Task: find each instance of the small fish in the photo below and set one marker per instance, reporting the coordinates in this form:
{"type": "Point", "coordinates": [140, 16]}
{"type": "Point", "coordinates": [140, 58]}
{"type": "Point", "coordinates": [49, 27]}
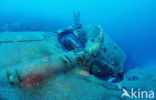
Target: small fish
{"type": "Point", "coordinates": [46, 59]}
{"type": "Point", "coordinates": [111, 79]}
{"type": "Point", "coordinates": [83, 73]}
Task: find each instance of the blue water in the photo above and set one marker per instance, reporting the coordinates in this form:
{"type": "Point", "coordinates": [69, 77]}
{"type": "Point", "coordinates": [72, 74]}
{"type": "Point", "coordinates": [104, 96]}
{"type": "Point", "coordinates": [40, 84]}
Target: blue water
{"type": "Point", "coordinates": [131, 23]}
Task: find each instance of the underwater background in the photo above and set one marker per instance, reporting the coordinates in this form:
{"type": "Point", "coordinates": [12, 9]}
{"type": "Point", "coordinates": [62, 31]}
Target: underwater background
{"type": "Point", "coordinates": [76, 49]}
{"type": "Point", "coordinates": [131, 23]}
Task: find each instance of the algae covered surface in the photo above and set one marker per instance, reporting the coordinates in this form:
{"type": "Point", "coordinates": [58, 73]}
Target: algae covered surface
{"type": "Point", "coordinates": [35, 66]}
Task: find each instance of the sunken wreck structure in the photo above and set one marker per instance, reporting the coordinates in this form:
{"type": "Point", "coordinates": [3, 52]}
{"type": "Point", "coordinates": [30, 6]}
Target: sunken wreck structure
{"type": "Point", "coordinates": [61, 65]}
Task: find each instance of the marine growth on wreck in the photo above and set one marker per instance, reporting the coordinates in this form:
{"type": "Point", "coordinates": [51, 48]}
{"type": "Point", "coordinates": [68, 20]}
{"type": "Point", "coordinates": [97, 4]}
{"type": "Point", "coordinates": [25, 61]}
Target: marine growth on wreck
{"type": "Point", "coordinates": [44, 64]}
{"type": "Point", "coordinates": [80, 62]}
